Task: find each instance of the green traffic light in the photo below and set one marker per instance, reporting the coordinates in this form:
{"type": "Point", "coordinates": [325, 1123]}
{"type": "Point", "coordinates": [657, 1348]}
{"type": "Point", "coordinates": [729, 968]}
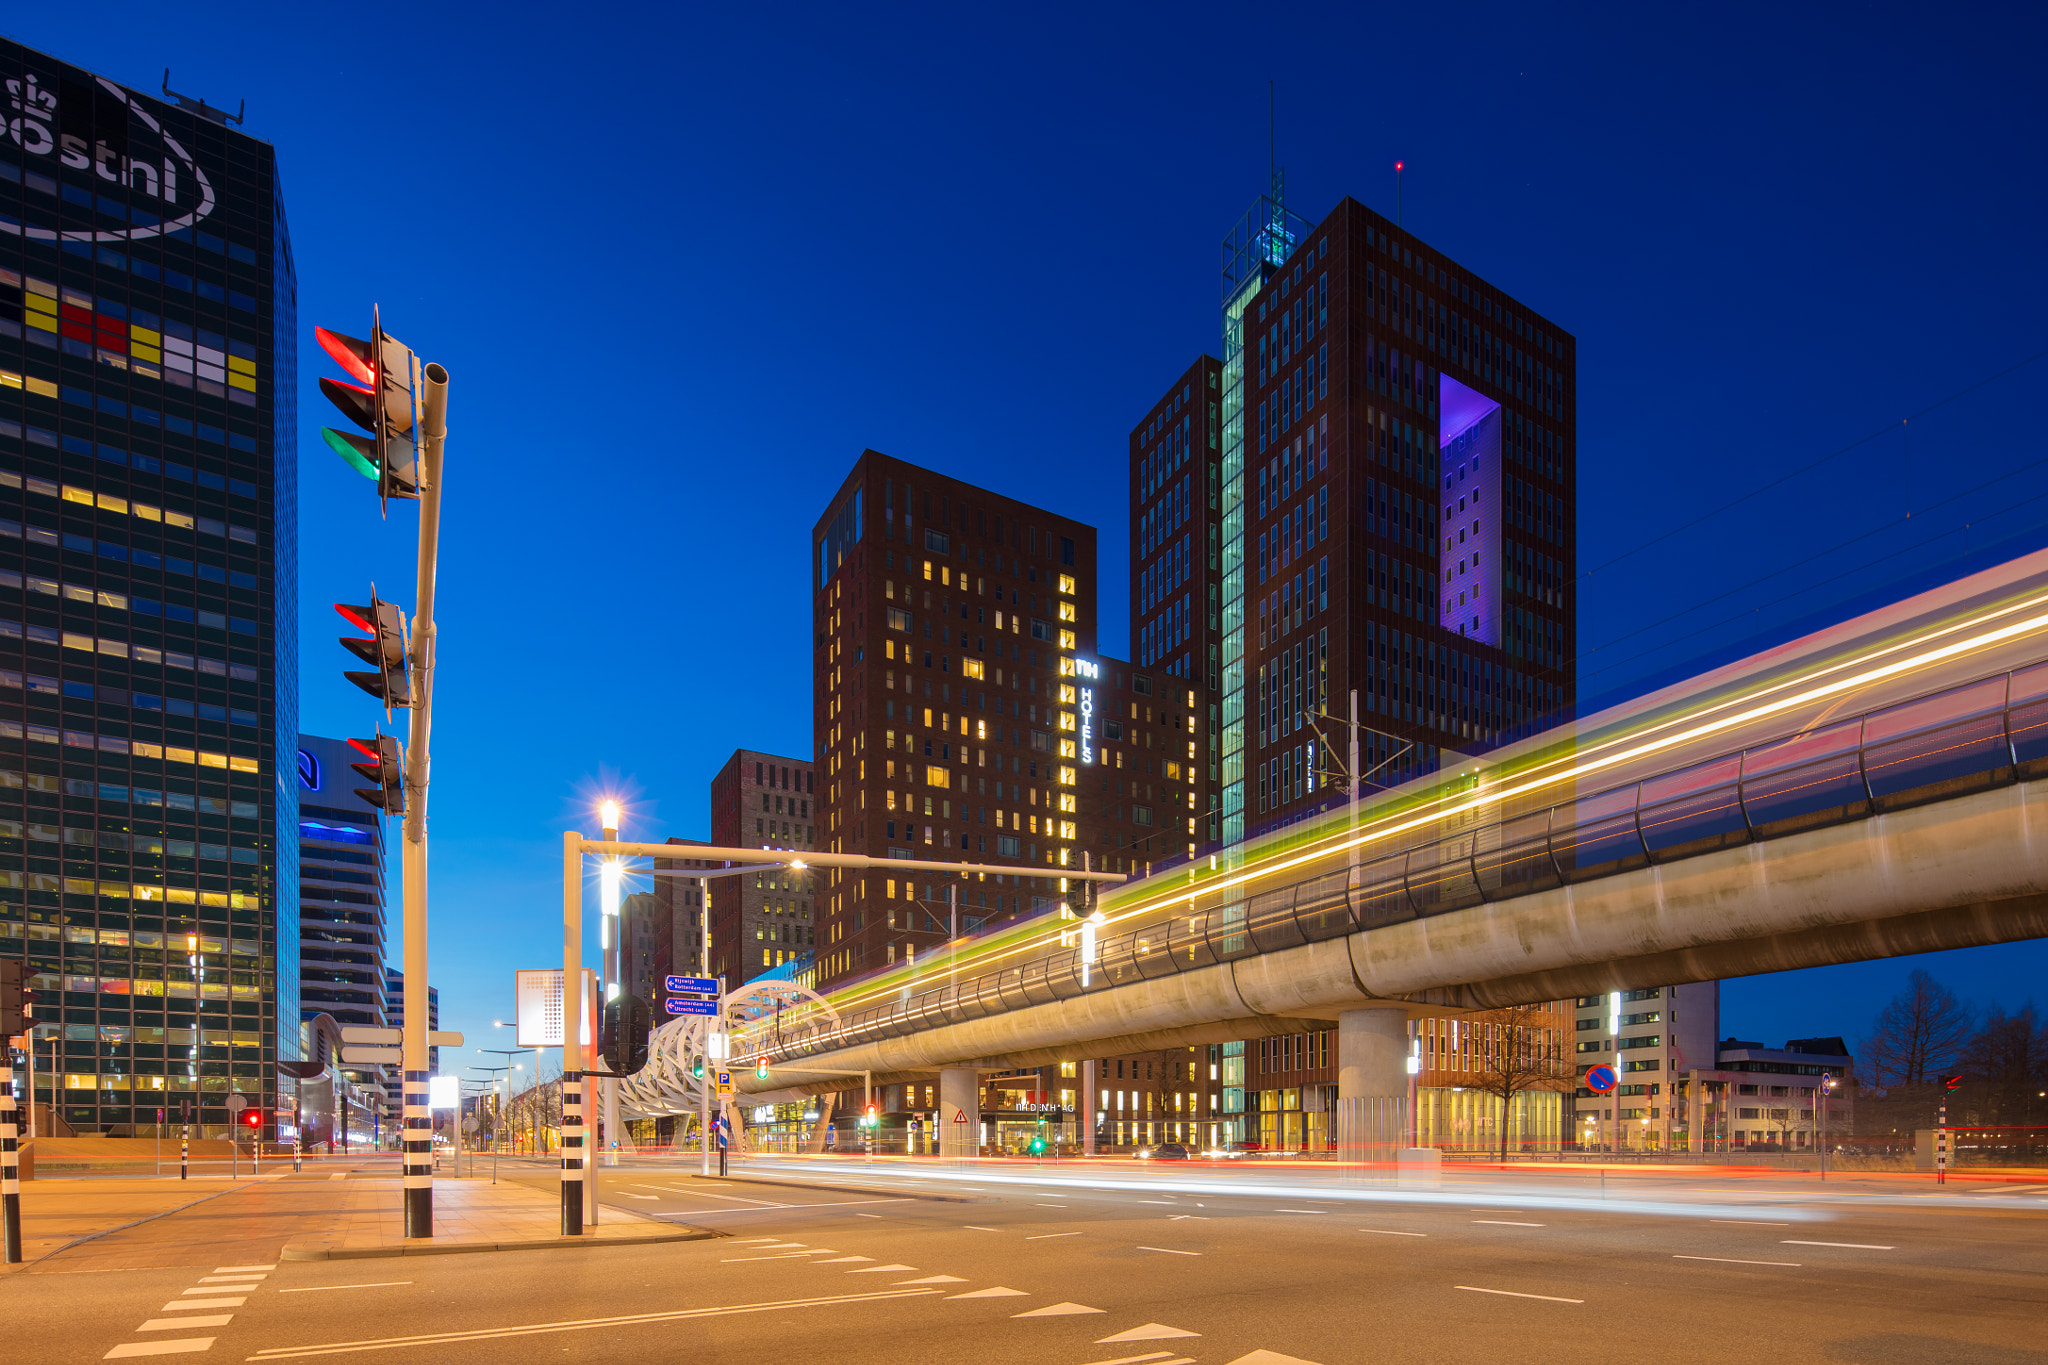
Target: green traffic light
{"type": "Point", "coordinates": [341, 445]}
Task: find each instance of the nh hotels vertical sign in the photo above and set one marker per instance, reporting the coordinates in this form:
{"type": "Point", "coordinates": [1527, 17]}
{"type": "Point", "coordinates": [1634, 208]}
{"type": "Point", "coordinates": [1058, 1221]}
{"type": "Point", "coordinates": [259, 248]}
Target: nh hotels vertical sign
{"type": "Point", "coordinates": [1083, 669]}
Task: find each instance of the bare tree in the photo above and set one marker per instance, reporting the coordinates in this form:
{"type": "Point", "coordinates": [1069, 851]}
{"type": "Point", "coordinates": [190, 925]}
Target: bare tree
{"type": "Point", "coordinates": [1520, 1050]}
{"type": "Point", "coordinates": [1921, 1033]}
{"type": "Point", "coordinates": [2010, 1053]}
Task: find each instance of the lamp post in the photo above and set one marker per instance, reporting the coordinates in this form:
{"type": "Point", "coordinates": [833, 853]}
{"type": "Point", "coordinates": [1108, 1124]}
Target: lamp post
{"type": "Point", "coordinates": [611, 871]}
{"type": "Point", "coordinates": [508, 1053]}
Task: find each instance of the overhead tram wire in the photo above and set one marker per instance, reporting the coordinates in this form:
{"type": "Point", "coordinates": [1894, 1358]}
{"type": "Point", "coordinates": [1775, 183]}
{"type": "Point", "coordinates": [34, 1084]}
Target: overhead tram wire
{"type": "Point", "coordinates": [1729, 620]}
{"type": "Point", "coordinates": [1816, 464]}
{"type": "Point", "coordinates": [1819, 555]}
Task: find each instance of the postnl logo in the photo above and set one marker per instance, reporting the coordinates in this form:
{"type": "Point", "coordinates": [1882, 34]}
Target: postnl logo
{"type": "Point", "coordinates": [152, 163]}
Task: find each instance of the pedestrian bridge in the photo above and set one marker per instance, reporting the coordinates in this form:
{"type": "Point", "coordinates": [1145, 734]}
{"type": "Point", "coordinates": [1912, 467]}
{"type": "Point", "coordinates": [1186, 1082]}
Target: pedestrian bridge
{"type": "Point", "coordinates": [1866, 791]}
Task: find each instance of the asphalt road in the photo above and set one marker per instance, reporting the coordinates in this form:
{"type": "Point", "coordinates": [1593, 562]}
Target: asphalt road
{"type": "Point", "coordinates": [1138, 1267]}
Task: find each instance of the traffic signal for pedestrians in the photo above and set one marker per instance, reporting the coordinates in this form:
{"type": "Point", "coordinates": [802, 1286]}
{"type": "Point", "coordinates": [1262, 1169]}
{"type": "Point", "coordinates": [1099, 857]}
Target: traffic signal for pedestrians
{"type": "Point", "coordinates": [386, 769]}
{"type": "Point", "coordinates": [623, 1044]}
{"type": "Point", "coordinates": [252, 1118]}
{"type": "Point", "coordinates": [380, 402]}
{"type": "Point", "coordinates": [1951, 1082]}
{"type": "Point", "coordinates": [15, 1005]}
{"type": "Point", "coordinates": [871, 1117]}
{"type": "Point", "coordinates": [384, 650]}
{"type": "Point", "coordinates": [761, 1067]}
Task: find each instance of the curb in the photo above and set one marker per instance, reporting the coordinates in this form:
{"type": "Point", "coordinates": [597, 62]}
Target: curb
{"type": "Point", "coordinates": [891, 1190]}
{"type": "Point", "coordinates": [464, 1248]}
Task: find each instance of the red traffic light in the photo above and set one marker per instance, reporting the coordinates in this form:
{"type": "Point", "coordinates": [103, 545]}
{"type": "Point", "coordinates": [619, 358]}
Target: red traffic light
{"type": "Point", "coordinates": [385, 650]}
{"type": "Point", "coordinates": [386, 769]}
{"type": "Point", "coordinates": [1951, 1082]}
{"type": "Point", "coordinates": [252, 1118]}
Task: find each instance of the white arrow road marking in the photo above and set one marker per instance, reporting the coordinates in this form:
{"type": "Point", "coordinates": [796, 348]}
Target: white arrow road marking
{"type": "Point", "coordinates": [1151, 1331]}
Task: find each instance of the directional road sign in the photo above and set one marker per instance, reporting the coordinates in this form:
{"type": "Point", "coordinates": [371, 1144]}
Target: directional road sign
{"type": "Point", "coordinates": [364, 1033]}
{"type": "Point", "coordinates": [707, 1008]}
{"type": "Point", "coordinates": [701, 985]}
{"type": "Point", "coordinates": [365, 1056]}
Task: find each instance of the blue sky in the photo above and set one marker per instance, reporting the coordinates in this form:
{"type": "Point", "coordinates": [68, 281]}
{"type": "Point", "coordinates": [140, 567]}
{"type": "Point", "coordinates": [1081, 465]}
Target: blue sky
{"type": "Point", "coordinates": [684, 263]}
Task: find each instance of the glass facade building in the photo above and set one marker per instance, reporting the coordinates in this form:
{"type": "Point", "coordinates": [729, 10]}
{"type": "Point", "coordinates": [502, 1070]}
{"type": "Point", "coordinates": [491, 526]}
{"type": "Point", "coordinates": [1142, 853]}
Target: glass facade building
{"type": "Point", "coordinates": [148, 688]}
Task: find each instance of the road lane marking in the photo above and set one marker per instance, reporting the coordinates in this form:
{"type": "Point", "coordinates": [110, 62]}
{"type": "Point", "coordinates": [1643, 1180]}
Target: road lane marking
{"type": "Point", "coordinates": [1043, 1235]}
{"type": "Point", "coordinates": [999, 1292]}
{"type": "Point", "coordinates": [843, 1260]}
{"type": "Point", "coordinates": [1133, 1360]}
{"type": "Point", "coordinates": [202, 1303]}
{"type": "Point", "coordinates": [1169, 1251]}
{"type": "Point", "coordinates": [576, 1324]}
{"type": "Point", "coordinates": [317, 1288]}
{"type": "Point", "coordinates": [1505, 1223]}
{"type": "Point", "coordinates": [1389, 1232]}
{"type": "Point", "coordinates": [1301, 1210]}
{"type": "Point", "coordinates": [1731, 1260]}
{"type": "Point", "coordinates": [1749, 1223]}
{"type": "Point", "coordinates": [221, 1289]}
{"type": "Point", "coordinates": [976, 1227]}
{"type": "Point", "coordinates": [877, 1269]}
{"type": "Point", "coordinates": [1052, 1206]}
{"type": "Point", "coordinates": [180, 1346]}
{"type": "Point", "coordinates": [1509, 1293]}
{"type": "Point", "coordinates": [183, 1324]}
{"type": "Point", "coordinates": [247, 1280]}
{"type": "Point", "coordinates": [1058, 1310]}
{"type": "Point", "coordinates": [1183, 1217]}
{"type": "Point", "coordinates": [1853, 1246]}
{"type": "Point", "coordinates": [628, 1195]}
{"type": "Point", "coordinates": [1153, 1201]}
{"type": "Point", "coordinates": [937, 1279]}
{"type": "Point", "coordinates": [232, 1269]}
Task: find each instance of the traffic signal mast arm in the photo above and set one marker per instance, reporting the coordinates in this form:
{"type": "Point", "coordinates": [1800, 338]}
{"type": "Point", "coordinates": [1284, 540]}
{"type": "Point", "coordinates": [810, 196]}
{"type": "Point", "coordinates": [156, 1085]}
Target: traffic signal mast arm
{"type": "Point", "coordinates": [805, 858]}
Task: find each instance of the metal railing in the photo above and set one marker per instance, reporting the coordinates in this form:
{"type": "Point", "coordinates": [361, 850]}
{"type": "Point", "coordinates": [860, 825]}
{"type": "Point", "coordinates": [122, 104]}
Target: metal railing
{"type": "Point", "coordinates": [1951, 743]}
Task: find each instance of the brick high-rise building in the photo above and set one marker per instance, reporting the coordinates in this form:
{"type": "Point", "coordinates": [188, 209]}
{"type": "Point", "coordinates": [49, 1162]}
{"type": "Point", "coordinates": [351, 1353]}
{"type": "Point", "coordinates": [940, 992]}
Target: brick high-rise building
{"type": "Point", "coordinates": [964, 714]}
{"type": "Point", "coordinates": [1394, 486]}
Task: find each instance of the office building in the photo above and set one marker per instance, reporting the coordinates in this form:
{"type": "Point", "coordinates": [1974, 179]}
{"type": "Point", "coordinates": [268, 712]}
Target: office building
{"type": "Point", "coordinates": [1771, 1099]}
{"type": "Point", "coordinates": [148, 642]}
{"type": "Point", "coordinates": [342, 903]}
{"type": "Point", "coordinates": [1394, 501]}
{"type": "Point", "coordinates": [766, 918]}
{"type": "Point", "coordinates": [1653, 1038]}
{"type": "Point", "coordinates": [394, 995]}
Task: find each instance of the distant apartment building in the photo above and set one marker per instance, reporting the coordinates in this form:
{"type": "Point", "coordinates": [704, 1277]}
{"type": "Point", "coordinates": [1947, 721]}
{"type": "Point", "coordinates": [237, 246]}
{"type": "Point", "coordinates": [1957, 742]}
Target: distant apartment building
{"type": "Point", "coordinates": [767, 918]}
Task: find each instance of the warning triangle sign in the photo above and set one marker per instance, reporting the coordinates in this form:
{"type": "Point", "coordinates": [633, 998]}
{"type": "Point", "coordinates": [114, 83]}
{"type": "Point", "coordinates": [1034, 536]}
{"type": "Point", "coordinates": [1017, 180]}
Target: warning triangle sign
{"type": "Point", "coordinates": [959, 1116]}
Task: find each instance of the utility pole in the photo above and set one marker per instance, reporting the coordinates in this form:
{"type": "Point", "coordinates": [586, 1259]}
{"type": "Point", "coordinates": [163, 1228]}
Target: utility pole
{"type": "Point", "coordinates": [572, 1034]}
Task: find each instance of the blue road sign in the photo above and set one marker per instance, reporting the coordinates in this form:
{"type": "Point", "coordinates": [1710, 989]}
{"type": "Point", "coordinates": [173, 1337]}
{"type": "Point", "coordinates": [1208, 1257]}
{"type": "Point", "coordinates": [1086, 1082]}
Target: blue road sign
{"type": "Point", "coordinates": [1601, 1079]}
{"type": "Point", "coordinates": [707, 1008]}
{"type": "Point", "coordinates": [699, 985]}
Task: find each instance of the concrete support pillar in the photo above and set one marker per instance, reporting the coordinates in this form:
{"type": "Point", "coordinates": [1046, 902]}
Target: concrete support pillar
{"type": "Point", "coordinates": [1089, 1095]}
{"type": "Point", "coordinates": [1372, 1084]}
{"type": "Point", "coordinates": [959, 1112]}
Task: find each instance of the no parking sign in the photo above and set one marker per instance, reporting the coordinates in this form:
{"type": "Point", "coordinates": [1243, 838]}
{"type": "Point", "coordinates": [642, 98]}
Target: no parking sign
{"type": "Point", "coordinates": [1601, 1079]}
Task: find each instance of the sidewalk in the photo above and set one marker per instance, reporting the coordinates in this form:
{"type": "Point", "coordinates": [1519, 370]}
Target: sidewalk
{"type": "Point", "coordinates": [86, 1225]}
{"type": "Point", "coordinates": [470, 1214]}
{"type": "Point", "coordinates": [56, 1213]}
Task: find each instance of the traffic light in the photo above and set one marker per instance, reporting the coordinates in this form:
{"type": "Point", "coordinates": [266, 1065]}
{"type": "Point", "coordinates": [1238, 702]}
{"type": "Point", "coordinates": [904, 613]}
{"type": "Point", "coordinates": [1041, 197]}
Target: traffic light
{"type": "Point", "coordinates": [1951, 1082]}
{"type": "Point", "coordinates": [252, 1119]}
{"type": "Point", "coordinates": [871, 1117]}
{"type": "Point", "coordinates": [697, 1069]}
{"type": "Point", "coordinates": [15, 1004]}
{"type": "Point", "coordinates": [384, 651]}
{"type": "Point", "coordinates": [761, 1067]}
{"type": "Point", "coordinates": [623, 1045]}
{"type": "Point", "coordinates": [380, 402]}
{"type": "Point", "coordinates": [386, 769]}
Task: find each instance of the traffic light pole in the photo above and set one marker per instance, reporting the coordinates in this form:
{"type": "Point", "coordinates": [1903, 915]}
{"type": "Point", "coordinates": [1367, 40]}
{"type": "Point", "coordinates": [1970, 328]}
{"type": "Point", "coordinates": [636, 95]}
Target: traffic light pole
{"type": "Point", "coordinates": [572, 1034]}
{"type": "Point", "coordinates": [10, 1157]}
{"type": "Point", "coordinates": [419, 1118]}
